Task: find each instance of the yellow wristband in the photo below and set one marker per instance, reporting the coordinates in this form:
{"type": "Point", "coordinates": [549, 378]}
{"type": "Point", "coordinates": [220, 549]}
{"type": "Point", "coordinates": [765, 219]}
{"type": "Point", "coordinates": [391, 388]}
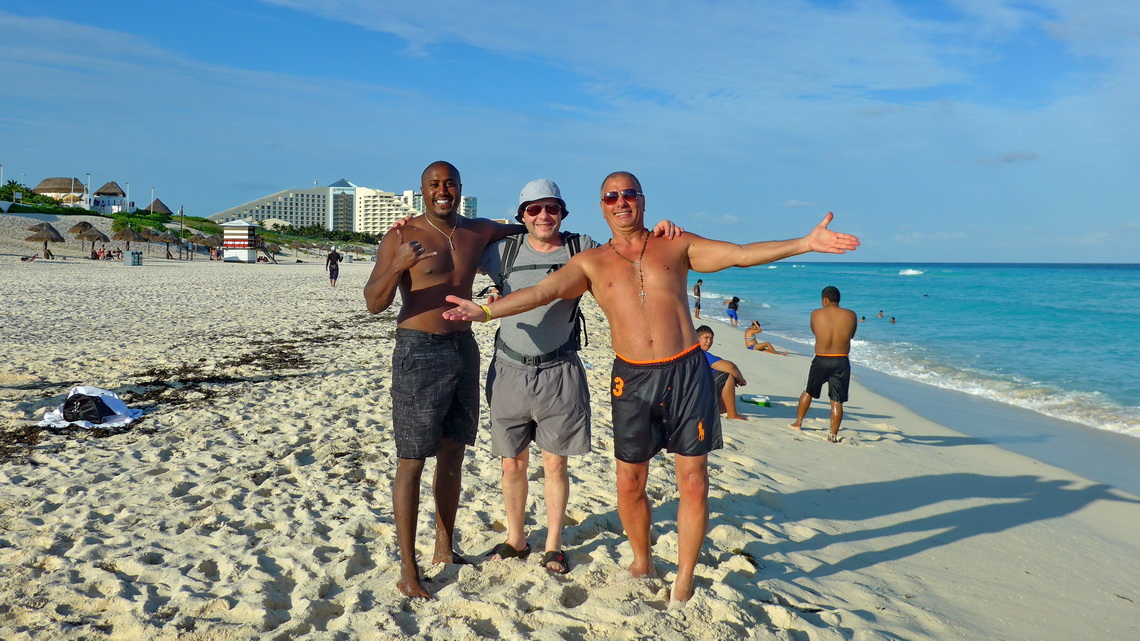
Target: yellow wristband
{"type": "Point", "coordinates": [488, 311]}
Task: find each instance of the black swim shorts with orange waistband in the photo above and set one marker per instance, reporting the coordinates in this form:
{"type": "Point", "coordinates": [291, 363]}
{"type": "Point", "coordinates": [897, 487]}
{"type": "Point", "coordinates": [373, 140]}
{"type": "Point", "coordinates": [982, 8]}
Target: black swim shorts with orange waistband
{"type": "Point", "coordinates": [669, 403]}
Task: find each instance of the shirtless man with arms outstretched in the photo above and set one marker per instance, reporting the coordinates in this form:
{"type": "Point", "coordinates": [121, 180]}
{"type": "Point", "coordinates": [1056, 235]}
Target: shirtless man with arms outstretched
{"type": "Point", "coordinates": [662, 389]}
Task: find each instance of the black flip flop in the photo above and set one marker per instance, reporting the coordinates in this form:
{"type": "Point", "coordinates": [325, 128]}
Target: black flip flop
{"type": "Point", "coordinates": [556, 556]}
{"type": "Point", "coordinates": [505, 551]}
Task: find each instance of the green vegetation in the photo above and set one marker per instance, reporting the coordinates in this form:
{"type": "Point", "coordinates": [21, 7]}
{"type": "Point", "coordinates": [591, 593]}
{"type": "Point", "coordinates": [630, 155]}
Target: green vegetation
{"type": "Point", "coordinates": [289, 233]}
{"type": "Point", "coordinates": [33, 203]}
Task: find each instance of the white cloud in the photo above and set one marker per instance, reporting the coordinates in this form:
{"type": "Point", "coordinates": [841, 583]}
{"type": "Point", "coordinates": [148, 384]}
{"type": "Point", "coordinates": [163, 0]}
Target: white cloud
{"type": "Point", "coordinates": [720, 219]}
{"type": "Point", "coordinates": [793, 203]}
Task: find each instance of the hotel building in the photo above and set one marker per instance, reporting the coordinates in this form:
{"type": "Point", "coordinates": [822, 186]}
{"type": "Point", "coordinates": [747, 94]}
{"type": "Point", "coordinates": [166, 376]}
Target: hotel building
{"type": "Point", "coordinates": [342, 206]}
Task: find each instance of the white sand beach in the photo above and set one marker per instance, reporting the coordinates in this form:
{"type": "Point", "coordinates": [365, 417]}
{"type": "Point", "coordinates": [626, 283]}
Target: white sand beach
{"type": "Point", "coordinates": [252, 499]}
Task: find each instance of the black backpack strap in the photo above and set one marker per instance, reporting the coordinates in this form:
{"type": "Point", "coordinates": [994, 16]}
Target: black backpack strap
{"type": "Point", "coordinates": [573, 242]}
{"type": "Point", "coordinates": [507, 264]}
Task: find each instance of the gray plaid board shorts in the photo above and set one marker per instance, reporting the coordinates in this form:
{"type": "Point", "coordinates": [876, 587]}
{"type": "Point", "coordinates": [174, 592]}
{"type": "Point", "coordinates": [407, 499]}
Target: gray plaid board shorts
{"type": "Point", "coordinates": [435, 391]}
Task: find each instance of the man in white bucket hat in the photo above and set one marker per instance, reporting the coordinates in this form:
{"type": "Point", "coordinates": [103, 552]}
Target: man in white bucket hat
{"type": "Point", "coordinates": [536, 384]}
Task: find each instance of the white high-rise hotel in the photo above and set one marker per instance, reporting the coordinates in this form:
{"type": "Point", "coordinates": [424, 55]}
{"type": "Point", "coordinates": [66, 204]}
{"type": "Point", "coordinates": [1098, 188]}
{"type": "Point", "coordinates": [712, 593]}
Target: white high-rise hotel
{"type": "Point", "coordinates": [342, 206]}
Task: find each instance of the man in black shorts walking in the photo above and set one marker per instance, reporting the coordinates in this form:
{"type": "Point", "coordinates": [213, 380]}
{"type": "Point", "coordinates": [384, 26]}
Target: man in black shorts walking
{"type": "Point", "coordinates": [834, 327]}
{"type": "Point", "coordinates": [435, 364]}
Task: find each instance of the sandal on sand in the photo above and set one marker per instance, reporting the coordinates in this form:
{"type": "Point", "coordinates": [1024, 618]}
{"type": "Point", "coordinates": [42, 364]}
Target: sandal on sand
{"type": "Point", "coordinates": [505, 551]}
{"type": "Point", "coordinates": [556, 556]}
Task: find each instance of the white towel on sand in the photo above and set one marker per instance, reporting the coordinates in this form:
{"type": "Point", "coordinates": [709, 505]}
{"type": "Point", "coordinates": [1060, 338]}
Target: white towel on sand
{"type": "Point", "coordinates": [123, 415]}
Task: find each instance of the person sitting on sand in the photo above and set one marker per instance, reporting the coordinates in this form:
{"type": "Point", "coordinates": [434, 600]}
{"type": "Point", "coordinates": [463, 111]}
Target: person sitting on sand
{"type": "Point", "coordinates": [726, 375]}
{"type": "Point", "coordinates": [751, 342]}
{"type": "Point", "coordinates": [834, 327]}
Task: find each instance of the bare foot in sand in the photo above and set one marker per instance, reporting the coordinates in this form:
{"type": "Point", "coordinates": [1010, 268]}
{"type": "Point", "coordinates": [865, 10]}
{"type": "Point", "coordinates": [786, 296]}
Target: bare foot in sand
{"type": "Point", "coordinates": [796, 426]}
{"type": "Point", "coordinates": [833, 437]}
{"type": "Point", "coordinates": [639, 571]}
{"type": "Point", "coordinates": [735, 416]}
{"type": "Point", "coordinates": [682, 589]}
{"type": "Point", "coordinates": [449, 556]}
{"type": "Point", "coordinates": [409, 584]}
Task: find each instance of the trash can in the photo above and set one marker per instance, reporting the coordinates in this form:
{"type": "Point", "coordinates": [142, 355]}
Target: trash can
{"type": "Point", "coordinates": [136, 259]}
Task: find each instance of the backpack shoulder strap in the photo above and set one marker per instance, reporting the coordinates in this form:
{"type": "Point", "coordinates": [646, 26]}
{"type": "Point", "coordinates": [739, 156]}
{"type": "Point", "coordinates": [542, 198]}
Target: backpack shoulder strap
{"type": "Point", "coordinates": [507, 264]}
{"type": "Point", "coordinates": [573, 242]}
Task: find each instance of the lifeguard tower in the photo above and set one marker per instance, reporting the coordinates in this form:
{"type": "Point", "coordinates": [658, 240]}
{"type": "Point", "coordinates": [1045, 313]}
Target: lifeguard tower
{"type": "Point", "coordinates": [239, 242]}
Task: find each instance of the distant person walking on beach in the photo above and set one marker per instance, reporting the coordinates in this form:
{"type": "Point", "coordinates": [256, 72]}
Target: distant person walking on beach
{"type": "Point", "coordinates": [834, 327]}
{"type": "Point", "coordinates": [536, 385]}
{"type": "Point", "coordinates": [733, 306]}
{"type": "Point", "coordinates": [435, 362]}
{"type": "Point", "coordinates": [661, 388]}
{"type": "Point", "coordinates": [726, 377]}
{"type": "Point", "coordinates": [751, 342]}
{"type": "Point", "coordinates": [332, 264]}
{"type": "Point", "coordinates": [697, 299]}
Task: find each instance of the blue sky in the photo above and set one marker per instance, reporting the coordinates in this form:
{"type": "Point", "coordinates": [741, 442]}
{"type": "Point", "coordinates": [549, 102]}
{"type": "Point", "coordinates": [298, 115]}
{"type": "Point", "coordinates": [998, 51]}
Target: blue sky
{"type": "Point", "coordinates": [964, 130]}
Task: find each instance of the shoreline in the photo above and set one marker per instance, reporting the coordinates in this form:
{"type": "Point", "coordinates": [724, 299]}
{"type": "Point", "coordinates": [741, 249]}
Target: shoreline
{"type": "Point", "coordinates": [1100, 455]}
{"type": "Point", "coordinates": [253, 499]}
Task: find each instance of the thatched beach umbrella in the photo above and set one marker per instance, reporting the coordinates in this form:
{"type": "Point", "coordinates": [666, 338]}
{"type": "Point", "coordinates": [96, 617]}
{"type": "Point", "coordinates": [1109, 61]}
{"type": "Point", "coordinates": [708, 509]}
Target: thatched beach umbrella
{"type": "Point", "coordinates": [47, 234]}
{"type": "Point", "coordinates": [128, 235]}
{"type": "Point", "coordinates": [93, 235]}
{"type": "Point", "coordinates": [79, 228]}
{"type": "Point", "coordinates": [168, 238]}
{"type": "Point", "coordinates": [151, 235]}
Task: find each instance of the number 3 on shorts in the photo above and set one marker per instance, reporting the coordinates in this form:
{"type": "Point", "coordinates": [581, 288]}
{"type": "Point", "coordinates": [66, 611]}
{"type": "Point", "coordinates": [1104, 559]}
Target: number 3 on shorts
{"type": "Point", "coordinates": [619, 385]}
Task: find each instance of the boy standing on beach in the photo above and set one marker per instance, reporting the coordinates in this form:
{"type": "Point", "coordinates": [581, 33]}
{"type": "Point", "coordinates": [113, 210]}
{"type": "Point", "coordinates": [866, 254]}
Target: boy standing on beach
{"type": "Point", "coordinates": [435, 363]}
{"type": "Point", "coordinates": [834, 327]}
{"type": "Point", "coordinates": [662, 393]}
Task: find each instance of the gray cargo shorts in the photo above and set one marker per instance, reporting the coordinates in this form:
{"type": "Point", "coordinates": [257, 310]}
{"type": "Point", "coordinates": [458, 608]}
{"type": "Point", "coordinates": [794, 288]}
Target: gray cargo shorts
{"type": "Point", "coordinates": [548, 404]}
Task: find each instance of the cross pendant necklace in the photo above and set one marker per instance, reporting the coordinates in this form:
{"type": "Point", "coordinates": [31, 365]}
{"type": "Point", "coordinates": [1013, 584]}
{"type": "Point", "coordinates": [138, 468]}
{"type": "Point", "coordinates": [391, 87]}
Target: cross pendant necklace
{"type": "Point", "coordinates": [447, 236]}
{"type": "Point", "coordinates": [640, 273]}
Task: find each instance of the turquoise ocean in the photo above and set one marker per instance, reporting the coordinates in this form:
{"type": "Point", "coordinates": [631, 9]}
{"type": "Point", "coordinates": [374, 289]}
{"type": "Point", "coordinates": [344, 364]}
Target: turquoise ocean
{"type": "Point", "coordinates": [1060, 339]}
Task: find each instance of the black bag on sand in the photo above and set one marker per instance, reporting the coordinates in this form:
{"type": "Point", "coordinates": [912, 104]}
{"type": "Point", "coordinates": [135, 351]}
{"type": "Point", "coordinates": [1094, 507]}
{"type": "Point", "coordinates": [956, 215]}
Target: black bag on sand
{"type": "Point", "coordinates": [81, 407]}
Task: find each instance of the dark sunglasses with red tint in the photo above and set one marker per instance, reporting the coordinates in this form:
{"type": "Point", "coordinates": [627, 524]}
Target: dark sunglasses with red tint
{"type": "Point", "coordinates": [551, 208]}
{"type": "Point", "coordinates": [611, 197]}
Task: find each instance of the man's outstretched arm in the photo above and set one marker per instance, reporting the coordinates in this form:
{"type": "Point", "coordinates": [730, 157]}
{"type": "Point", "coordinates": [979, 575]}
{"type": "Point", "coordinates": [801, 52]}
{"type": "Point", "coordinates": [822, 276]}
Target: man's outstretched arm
{"type": "Point", "coordinates": [568, 282]}
{"type": "Point", "coordinates": [707, 255]}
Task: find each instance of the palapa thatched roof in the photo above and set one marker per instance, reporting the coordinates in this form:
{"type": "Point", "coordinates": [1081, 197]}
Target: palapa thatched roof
{"type": "Point", "coordinates": [49, 235]}
{"type": "Point", "coordinates": [129, 235]}
{"type": "Point", "coordinates": [93, 235]}
{"type": "Point", "coordinates": [80, 227]}
{"type": "Point", "coordinates": [60, 186]}
{"type": "Point", "coordinates": [160, 207]}
{"type": "Point", "coordinates": [111, 189]}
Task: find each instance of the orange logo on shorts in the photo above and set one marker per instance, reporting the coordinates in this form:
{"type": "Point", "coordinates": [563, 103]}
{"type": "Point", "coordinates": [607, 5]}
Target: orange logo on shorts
{"type": "Point", "coordinates": [619, 385]}
{"type": "Point", "coordinates": [701, 430]}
